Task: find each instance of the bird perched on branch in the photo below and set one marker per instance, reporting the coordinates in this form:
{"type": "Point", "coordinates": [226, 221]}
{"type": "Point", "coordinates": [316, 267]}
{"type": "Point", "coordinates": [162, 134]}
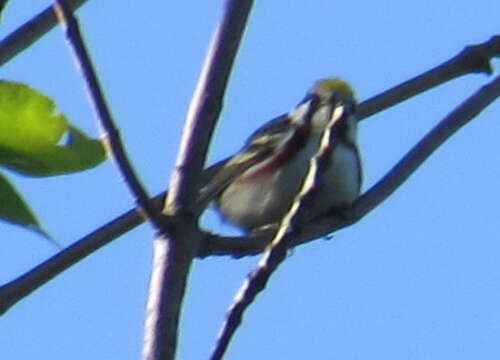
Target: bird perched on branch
{"type": "Point", "coordinates": [257, 186]}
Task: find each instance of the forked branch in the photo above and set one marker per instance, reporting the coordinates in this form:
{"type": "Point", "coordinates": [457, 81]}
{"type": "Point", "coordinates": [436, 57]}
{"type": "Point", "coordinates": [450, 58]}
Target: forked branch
{"type": "Point", "coordinates": [471, 60]}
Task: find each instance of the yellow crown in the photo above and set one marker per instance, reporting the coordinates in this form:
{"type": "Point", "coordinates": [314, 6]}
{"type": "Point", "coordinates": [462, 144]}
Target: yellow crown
{"type": "Point", "coordinates": [330, 85]}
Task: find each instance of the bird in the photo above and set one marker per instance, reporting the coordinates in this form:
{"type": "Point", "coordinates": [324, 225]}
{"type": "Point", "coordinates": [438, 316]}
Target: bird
{"type": "Point", "coordinates": [256, 187]}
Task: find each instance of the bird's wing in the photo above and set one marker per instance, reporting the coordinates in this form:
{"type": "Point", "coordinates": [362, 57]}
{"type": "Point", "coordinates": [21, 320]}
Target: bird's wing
{"type": "Point", "coordinates": [259, 146]}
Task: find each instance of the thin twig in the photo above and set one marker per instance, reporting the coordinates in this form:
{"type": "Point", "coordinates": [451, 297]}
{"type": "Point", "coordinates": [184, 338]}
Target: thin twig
{"type": "Point", "coordinates": [17, 289]}
{"type": "Point", "coordinates": [32, 30]}
{"type": "Point", "coordinates": [173, 256]}
{"type": "Point", "coordinates": [75, 39]}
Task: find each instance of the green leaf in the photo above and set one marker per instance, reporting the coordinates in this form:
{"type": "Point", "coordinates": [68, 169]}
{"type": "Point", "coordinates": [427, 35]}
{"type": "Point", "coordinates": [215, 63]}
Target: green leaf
{"type": "Point", "coordinates": [15, 210]}
{"type": "Point", "coordinates": [31, 134]}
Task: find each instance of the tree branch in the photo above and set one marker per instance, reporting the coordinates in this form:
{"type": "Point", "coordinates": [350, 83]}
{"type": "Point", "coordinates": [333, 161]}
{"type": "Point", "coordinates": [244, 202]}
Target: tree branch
{"type": "Point", "coordinates": [76, 42]}
{"type": "Point", "coordinates": [214, 244]}
{"type": "Point", "coordinates": [13, 291]}
{"type": "Point", "coordinates": [173, 256]}
{"type": "Point", "coordinates": [472, 59]}
{"type": "Point", "coordinates": [32, 30]}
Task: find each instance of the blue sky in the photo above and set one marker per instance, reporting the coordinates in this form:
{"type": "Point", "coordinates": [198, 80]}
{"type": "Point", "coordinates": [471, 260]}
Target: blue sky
{"type": "Point", "coordinates": [418, 278]}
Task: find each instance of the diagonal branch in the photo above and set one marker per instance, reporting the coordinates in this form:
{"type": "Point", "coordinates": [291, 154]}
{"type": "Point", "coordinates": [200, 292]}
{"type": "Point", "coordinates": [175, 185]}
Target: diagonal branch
{"type": "Point", "coordinates": [15, 290]}
{"type": "Point", "coordinates": [75, 39]}
{"type": "Point", "coordinates": [472, 59]}
{"type": "Point", "coordinates": [173, 256]}
{"type": "Point", "coordinates": [459, 117]}
{"type": "Point", "coordinates": [28, 33]}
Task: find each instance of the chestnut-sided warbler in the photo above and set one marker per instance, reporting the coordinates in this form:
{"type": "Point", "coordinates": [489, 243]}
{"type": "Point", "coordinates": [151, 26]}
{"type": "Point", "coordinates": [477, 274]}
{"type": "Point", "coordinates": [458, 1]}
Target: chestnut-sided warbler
{"type": "Point", "coordinates": [257, 185]}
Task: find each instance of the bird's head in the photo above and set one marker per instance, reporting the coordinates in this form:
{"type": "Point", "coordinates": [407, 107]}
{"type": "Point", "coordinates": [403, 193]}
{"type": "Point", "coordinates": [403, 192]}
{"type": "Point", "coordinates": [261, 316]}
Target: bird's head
{"type": "Point", "coordinates": [332, 90]}
{"type": "Point", "coordinates": [328, 98]}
